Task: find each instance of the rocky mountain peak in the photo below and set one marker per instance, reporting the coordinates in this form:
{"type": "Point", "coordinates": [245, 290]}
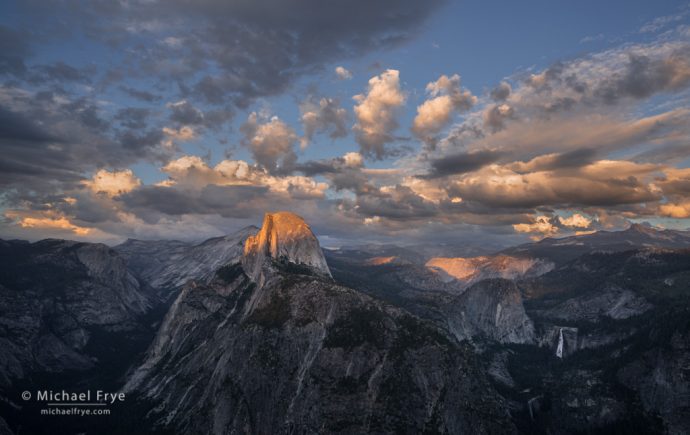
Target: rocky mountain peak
{"type": "Point", "coordinates": [642, 229]}
{"type": "Point", "coordinates": [283, 236]}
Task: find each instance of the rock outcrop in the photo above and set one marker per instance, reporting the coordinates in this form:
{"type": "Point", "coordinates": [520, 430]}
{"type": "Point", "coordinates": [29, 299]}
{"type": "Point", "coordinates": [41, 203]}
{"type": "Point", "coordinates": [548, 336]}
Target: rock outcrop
{"type": "Point", "coordinates": [284, 237]}
{"type": "Point", "coordinates": [491, 309]}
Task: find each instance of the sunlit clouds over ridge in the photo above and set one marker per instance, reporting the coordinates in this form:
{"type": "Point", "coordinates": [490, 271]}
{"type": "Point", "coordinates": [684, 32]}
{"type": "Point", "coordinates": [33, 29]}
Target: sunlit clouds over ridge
{"type": "Point", "coordinates": [204, 116]}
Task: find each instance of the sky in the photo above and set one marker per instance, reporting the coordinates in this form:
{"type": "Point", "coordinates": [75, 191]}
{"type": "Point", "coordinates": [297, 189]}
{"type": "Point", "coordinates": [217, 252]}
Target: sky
{"type": "Point", "coordinates": [468, 122]}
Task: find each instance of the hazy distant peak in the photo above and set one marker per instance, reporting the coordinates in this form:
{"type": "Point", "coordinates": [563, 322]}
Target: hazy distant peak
{"type": "Point", "coordinates": [643, 229]}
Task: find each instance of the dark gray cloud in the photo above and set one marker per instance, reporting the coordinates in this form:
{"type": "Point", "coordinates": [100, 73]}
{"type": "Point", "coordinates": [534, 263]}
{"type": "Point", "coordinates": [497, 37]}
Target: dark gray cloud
{"type": "Point", "coordinates": [496, 116]}
{"type": "Point", "coordinates": [184, 113]}
{"type": "Point", "coordinates": [399, 203]}
{"type": "Point", "coordinates": [327, 166]}
{"type": "Point", "coordinates": [255, 48]}
{"type": "Point", "coordinates": [140, 142]}
{"type": "Point", "coordinates": [49, 146]}
{"type": "Point", "coordinates": [141, 95]}
{"type": "Point", "coordinates": [87, 113]}
{"type": "Point", "coordinates": [133, 117]}
{"type": "Point", "coordinates": [461, 163]}
{"type": "Point", "coordinates": [644, 76]}
{"type": "Point", "coordinates": [571, 159]}
{"type": "Point", "coordinates": [317, 167]}
{"type": "Point", "coordinates": [560, 104]}
{"type": "Point", "coordinates": [501, 92]}
{"type": "Point", "coordinates": [152, 202]}
{"type": "Point", "coordinates": [18, 128]}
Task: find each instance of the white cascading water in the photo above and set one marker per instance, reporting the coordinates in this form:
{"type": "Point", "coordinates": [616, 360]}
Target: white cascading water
{"type": "Point", "coordinates": [559, 349]}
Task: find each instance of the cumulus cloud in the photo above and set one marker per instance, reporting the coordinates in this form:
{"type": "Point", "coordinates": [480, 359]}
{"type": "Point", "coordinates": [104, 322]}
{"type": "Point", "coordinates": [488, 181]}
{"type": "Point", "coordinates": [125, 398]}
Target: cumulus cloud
{"type": "Point", "coordinates": [446, 98]}
{"type": "Point", "coordinates": [182, 134]}
{"type": "Point", "coordinates": [376, 113]}
{"type": "Point", "coordinates": [343, 73]}
{"type": "Point", "coordinates": [676, 185]}
{"type": "Point", "coordinates": [575, 221]}
{"type": "Point", "coordinates": [194, 172]}
{"type": "Point", "coordinates": [541, 225]}
{"type": "Point", "coordinates": [353, 159]}
{"type": "Point", "coordinates": [271, 142]}
{"type": "Point", "coordinates": [322, 116]}
{"type": "Point", "coordinates": [113, 183]}
{"type": "Point", "coordinates": [675, 210]}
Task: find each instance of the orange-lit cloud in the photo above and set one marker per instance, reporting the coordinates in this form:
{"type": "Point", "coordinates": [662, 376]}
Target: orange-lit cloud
{"type": "Point", "coordinates": [575, 221]}
{"type": "Point", "coordinates": [541, 225]}
{"type": "Point", "coordinates": [113, 183]}
{"type": "Point", "coordinates": [46, 221]}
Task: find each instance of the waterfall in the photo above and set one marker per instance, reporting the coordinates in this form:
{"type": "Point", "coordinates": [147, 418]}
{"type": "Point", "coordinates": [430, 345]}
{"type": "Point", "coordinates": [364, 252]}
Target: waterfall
{"type": "Point", "coordinates": [530, 406]}
{"type": "Point", "coordinates": [559, 349]}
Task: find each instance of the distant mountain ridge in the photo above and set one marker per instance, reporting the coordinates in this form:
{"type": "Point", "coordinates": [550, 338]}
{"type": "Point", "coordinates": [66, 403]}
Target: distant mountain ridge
{"type": "Point", "coordinates": [167, 265]}
{"type": "Point", "coordinates": [636, 236]}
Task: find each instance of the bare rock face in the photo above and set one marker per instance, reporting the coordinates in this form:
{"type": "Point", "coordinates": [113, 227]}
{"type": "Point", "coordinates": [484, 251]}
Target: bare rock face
{"type": "Point", "coordinates": [62, 304]}
{"type": "Point", "coordinates": [169, 264]}
{"type": "Point", "coordinates": [308, 356]}
{"type": "Point", "coordinates": [612, 302]}
{"type": "Point", "coordinates": [284, 236]}
{"type": "Point", "coordinates": [493, 309]}
{"type": "Point", "coordinates": [659, 377]}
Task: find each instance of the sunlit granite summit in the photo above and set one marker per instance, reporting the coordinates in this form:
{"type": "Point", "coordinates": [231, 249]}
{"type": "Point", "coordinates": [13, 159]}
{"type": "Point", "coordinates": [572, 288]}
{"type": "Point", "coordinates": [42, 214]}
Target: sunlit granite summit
{"type": "Point", "coordinates": [284, 236]}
